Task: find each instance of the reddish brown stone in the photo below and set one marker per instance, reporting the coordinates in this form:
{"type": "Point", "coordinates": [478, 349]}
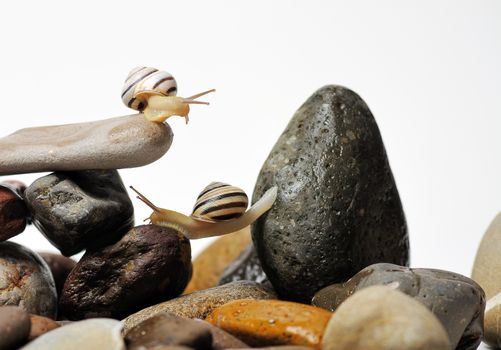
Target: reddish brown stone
{"type": "Point", "coordinates": [13, 213]}
{"type": "Point", "coordinates": [41, 325]}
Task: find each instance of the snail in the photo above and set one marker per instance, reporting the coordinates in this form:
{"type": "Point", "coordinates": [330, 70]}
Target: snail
{"type": "Point", "coordinates": [153, 92]}
{"type": "Point", "coordinates": [219, 209]}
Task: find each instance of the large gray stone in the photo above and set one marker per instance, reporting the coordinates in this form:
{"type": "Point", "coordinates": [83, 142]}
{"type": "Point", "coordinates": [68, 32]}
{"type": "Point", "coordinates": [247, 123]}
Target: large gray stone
{"type": "Point", "coordinates": [338, 208]}
{"type": "Point", "coordinates": [115, 143]}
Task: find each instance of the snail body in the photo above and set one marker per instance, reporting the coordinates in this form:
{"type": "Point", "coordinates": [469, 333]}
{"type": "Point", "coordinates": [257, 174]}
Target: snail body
{"type": "Point", "coordinates": [214, 213]}
{"type": "Point", "coordinates": [153, 92]}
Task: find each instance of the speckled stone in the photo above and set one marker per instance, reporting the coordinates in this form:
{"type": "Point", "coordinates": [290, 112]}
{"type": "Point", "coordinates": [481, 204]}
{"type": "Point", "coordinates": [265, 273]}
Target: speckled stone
{"type": "Point", "coordinates": [381, 318]}
{"type": "Point", "coordinates": [199, 304]}
{"type": "Point", "coordinates": [41, 325]}
{"type": "Point", "coordinates": [80, 209]}
{"type": "Point", "coordinates": [60, 267]}
{"type": "Point", "coordinates": [457, 301]}
{"type": "Point", "coordinates": [95, 334]}
{"type": "Point", "coordinates": [168, 329]}
{"type": "Point", "coordinates": [14, 327]}
{"type": "Point", "coordinates": [13, 212]}
{"type": "Point", "coordinates": [25, 280]}
{"type": "Point", "coordinates": [221, 339]}
{"type": "Point", "coordinates": [213, 260]}
{"type": "Point", "coordinates": [147, 265]}
{"type": "Point", "coordinates": [122, 142]}
{"type": "Point", "coordinates": [245, 267]}
{"type": "Point", "coordinates": [338, 208]}
{"type": "Point", "coordinates": [272, 322]}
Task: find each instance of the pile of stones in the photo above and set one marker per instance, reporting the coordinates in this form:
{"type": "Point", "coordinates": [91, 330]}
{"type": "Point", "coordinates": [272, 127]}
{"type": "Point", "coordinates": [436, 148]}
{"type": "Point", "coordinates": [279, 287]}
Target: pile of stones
{"type": "Point", "coordinates": [325, 268]}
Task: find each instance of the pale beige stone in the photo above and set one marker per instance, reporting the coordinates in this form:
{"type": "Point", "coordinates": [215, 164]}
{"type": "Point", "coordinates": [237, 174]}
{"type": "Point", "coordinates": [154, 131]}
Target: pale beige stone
{"type": "Point", "coordinates": [492, 322]}
{"type": "Point", "coordinates": [487, 266]}
{"type": "Point", "coordinates": [382, 318]}
{"type": "Point", "coordinates": [121, 142]}
{"type": "Point", "coordinates": [96, 334]}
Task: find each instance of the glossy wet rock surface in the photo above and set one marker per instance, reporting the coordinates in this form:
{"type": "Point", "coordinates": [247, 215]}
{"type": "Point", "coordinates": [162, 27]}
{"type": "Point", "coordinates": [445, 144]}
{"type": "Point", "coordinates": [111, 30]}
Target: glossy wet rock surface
{"type": "Point", "coordinates": [81, 209]}
{"type": "Point", "coordinates": [199, 304]}
{"type": "Point", "coordinates": [381, 318]}
{"type": "Point", "coordinates": [338, 208]}
{"type": "Point", "coordinates": [25, 280]}
{"type": "Point", "coordinates": [272, 322]}
{"type": "Point", "coordinates": [147, 265]}
{"type": "Point", "coordinates": [122, 142]}
{"type": "Point", "coordinates": [13, 212]}
{"type": "Point", "coordinates": [457, 301]}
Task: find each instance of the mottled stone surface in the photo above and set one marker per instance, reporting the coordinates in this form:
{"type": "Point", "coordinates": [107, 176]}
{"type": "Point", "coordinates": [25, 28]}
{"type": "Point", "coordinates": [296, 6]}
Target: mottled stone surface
{"type": "Point", "coordinates": [80, 209]}
{"type": "Point", "coordinates": [338, 208]}
{"type": "Point", "coordinates": [168, 329]}
{"type": "Point", "coordinates": [457, 301]}
{"type": "Point", "coordinates": [380, 318]}
{"type": "Point", "coordinates": [95, 334]}
{"type": "Point", "coordinates": [60, 267]}
{"type": "Point", "coordinates": [14, 327]}
{"type": "Point", "coordinates": [122, 142]}
{"type": "Point", "coordinates": [41, 325]}
{"type": "Point", "coordinates": [147, 265]}
{"type": "Point", "coordinates": [272, 322]}
{"type": "Point", "coordinates": [213, 260]}
{"type": "Point", "coordinates": [13, 212]}
{"type": "Point", "coordinates": [221, 339]}
{"type": "Point", "coordinates": [199, 304]}
{"type": "Point", "coordinates": [25, 280]}
{"type": "Point", "coordinates": [246, 267]}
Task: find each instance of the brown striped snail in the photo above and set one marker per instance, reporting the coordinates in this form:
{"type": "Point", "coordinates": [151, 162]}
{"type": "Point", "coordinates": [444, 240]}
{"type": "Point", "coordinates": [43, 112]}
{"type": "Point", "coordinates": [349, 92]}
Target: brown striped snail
{"type": "Point", "coordinates": [153, 92]}
{"type": "Point", "coordinates": [219, 209]}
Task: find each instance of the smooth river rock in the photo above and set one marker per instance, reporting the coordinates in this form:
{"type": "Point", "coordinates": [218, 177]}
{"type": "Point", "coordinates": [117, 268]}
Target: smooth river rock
{"type": "Point", "coordinates": [13, 212]}
{"type": "Point", "coordinates": [338, 208]}
{"type": "Point", "coordinates": [201, 303]}
{"type": "Point", "coordinates": [41, 325]}
{"type": "Point", "coordinates": [115, 143]}
{"type": "Point", "coordinates": [221, 339]}
{"type": "Point", "coordinates": [246, 267]}
{"type": "Point", "coordinates": [381, 318]}
{"type": "Point", "coordinates": [147, 265]}
{"type": "Point", "coordinates": [25, 280]}
{"type": "Point", "coordinates": [60, 267]}
{"type": "Point", "coordinates": [95, 334]}
{"type": "Point", "coordinates": [272, 322]}
{"type": "Point", "coordinates": [213, 260]}
{"type": "Point", "coordinates": [457, 301]}
{"type": "Point", "coordinates": [14, 327]}
{"type": "Point", "coordinates": [80, 209]}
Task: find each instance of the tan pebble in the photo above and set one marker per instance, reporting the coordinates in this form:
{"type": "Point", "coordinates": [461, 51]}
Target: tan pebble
{"type": "Point", "coordinates": [272, 322]}
{"type": "Point", "coordinates": [199, 304]}
{"type": "Point", "coordinates": [492, 322]}
{"type": "Point", "coordinates": [41, 325]}
{"type": "Point", "coordinates": [210, 264]}
{"type": "Point", "coordinates": [382, 318]}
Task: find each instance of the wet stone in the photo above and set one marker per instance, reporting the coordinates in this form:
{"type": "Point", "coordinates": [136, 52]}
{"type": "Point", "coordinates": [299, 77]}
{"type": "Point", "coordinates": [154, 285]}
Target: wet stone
{"type": "Point", "coordinates": [81, 209]}
{"type": "Point", "coordinates": [168, 329]}
{"type": "Point", "coordinates": [246, 267]}
{"type": "Point", "coordinates": [457, 301]}
{"type": "Point", "coordinates": [115, 143]}
{"type": "Point", "coordinates": [14, 327]}
{"type": "Point", "coordinates": [199, 304]}
{"type": "Point", "coordinates": [25, 280]}
{"type": "Point", "coordinates": [147, 265]}
{"type": "Point", "coordinates": [13, 212]}
{"type": "Point", "coordinates": [338, 208]}
{"type": "Point", "coordinates": [381, 318]}
{"type": "Point", "coordinates": [60, 267]}
{"type": "Point", "coordinates": [272, 322]}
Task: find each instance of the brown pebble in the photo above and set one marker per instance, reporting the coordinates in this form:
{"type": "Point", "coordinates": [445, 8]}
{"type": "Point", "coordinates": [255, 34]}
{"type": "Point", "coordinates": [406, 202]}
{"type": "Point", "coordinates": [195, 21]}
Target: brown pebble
{"type": "Point", "coordinates": [18, 186]}
{"type": "Point", "coordinates": [14, 327]}
{"type": "Point", "coordinates": [221, 339]}
{"type": "Point", "coordinates": [41, 325]}
{"type": "Point", "coordinates": [13, 213]}
{"type": "Point", "coordinates": [211, 262]}
{"type": "Point", "coordinates": [60, 266]}
{"type": "Point", "coordinates": [272, 322]}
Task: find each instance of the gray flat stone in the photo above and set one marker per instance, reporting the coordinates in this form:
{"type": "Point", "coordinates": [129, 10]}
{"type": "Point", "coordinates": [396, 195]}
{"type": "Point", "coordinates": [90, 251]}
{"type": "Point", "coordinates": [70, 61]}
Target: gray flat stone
{"type": "Point", "coordinates": [115, 143]}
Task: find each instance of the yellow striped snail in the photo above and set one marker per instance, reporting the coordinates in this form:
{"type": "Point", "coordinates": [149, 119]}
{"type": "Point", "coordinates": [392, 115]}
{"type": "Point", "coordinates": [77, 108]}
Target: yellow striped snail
{"type": "Point", "coordinates": [219, 209]}
{"type": "Point", "coordinates": [153, 92]}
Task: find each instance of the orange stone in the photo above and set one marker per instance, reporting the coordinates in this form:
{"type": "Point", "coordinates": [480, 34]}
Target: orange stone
{"type": "Point", "coordinates": [272, 322]}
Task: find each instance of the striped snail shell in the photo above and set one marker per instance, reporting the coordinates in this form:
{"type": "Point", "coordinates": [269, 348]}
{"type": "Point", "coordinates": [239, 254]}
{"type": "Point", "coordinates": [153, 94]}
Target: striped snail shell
{"type": "Point", "coordinates": [142, 82]}
{"type": "Point", "coordinates": [220, 202]}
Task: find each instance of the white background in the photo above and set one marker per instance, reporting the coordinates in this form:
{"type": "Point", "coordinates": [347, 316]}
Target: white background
{"type": "Point", "coordinates": [429, 71]}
